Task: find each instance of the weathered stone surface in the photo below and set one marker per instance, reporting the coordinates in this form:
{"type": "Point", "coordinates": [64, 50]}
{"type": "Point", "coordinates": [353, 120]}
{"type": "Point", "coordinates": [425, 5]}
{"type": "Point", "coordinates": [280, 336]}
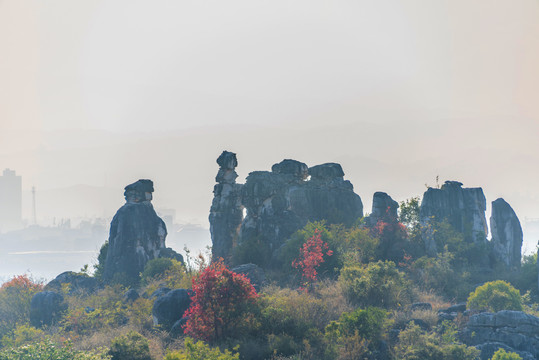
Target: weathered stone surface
{"type": "Point", "coordinates": [226, 212]}
{"type": "Point", "coordinates": [169, 308]}
{"type": "Point", "coordinates": [280, 203]}
{"type": "Point", "coordinates": [75, 281]}
{"type": "Point", "coordinates": [515, 329]}
{"type": "Point", "coordinates": [170, 254]}
{"type": "Point", "coordinates": [457, 308]}
{"type": "Point", "coordinates": [177, 328]}
{"type": "Point", "coordinates": [253, 272]}
{"type": "Point", "coordinates": [46, 308]}
{"type": "Point", "coordinates": [463, 208]}
{"type": "Point", "coordinates": [277, 203]}
{"type": "Point", "coordinates": [506, 234]}
{"type": "Point", "coordinates": [384, 208]}
{"type": "Point", "coordinates": [131, 295]}
{"type": "Point", "coordinates": [137, 235]}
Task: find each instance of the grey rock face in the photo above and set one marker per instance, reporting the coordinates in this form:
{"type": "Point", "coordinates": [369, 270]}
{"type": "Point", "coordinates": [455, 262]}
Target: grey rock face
{"type": "Point", "coordinates": [506, 234]}
{"type": "Point", "coordinates": [281, 202]}
{"type": "Point", "coordinates": [170, 307]}
{"type": "Point", "coordinates": [384, 208]}
{"type": "Point", "coordinates": [253, 272]}
{"type": "Point", "coordinates": [277, 203]}
{"type": "Point", "coordinates": [226, 212]}
{"type": "Point", "coordinates": [137, 235]}
{"type": "Point", "coordinates": [76, 282]}
{"type": "Point", "coordinates": [46, 308]}
{"type": "Point", "coordinates": [463, 208]}
{"type": "Point", "coordinates": [515, 329]}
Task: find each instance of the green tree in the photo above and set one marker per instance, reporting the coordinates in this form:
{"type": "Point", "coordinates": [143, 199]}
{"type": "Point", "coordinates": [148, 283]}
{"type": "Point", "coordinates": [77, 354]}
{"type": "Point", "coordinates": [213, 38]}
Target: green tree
{"type": "Point", "coordinates": [376, 284]}
{"type": "Point", "coordinates": [495, 296]}
{"type": "Point", "coordinates": [51, 351]}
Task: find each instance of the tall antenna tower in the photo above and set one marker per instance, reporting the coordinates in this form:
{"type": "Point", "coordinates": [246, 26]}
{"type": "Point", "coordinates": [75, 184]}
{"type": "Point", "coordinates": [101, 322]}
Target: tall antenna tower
{"type": "Point", "coordinates": [34, 216]}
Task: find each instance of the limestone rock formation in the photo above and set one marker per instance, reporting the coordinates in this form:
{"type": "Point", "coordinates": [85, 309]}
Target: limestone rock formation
{"type": "Point", "coordinates": [516, 330]}
{"type": "Point", "coordinates": [463, 208]}
{"type": "Point", "coordinates": [46, 308]}
{"type": "Point", "coordinates": [282, 201]}
{"type": "Point", "coordinates": [384, 208]}
{"type": "Point", "coordinates": [76, 282]}
{"type": "Point", "coordinates": [226, 211]}
{"type": "Point", "coordinates": [137, 235]}
{"type": "Point", "coordinates": [506, 234]}
{"type": "Point", "coordinates": [277, 202]}
{"type": "Point", "coordinates": [170, 307]}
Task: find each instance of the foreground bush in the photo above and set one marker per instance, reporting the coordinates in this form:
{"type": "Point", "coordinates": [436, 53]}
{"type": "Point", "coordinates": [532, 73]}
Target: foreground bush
{"type": "Point", "coordinates": [376, 284]}
{"type": "Point", "coordinates": [131, 346]}
{"type": "Point", "coordinates": [15, 298]}
{"type": "Point", "coordinates": [501, 354]}
{"type": "Point", "coordinates": [222, 306]}
{"type": "Point", "coordinates": [50, 351]}
{"type": "Point", "coordinates": [200, 351]}
{"type": "Point", "coordinates": [495, 296]}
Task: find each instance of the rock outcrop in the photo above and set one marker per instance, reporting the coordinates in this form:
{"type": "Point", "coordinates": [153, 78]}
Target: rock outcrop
{"type": "Point", "coordinates": [384, 208]}
{"type": "Point", "coordinates": [75, 282]}
{"type": "Point", "coordinates": [137, 235]}
{"type": "Point", "coordinates": [513, 330]}
{"type": "Point", "coordinates": [277, 202]}
{"type": "Point", "coordinates": [254, 273]}
{"type": "Point", "coordinates": [46, 308]}
{"type": "Point", "coordinates": [463, 208]}
{"type": "Point", "coordinates": [226, 213]}
{"type": "Point", "coordinates": [506, 234]}
{"type": "Point", "coordinates": [170, 307]}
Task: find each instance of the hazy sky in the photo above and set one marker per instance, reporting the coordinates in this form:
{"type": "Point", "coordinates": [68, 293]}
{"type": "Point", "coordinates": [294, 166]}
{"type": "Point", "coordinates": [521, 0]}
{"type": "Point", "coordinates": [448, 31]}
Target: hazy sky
{"type": "Point", "coordinates": [105, 92]}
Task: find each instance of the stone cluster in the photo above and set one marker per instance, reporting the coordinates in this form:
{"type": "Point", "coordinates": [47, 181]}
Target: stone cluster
{"type": "Point", "coordinates": [464, 209]}
{"type": "Point", "coordinates": [277, 202]}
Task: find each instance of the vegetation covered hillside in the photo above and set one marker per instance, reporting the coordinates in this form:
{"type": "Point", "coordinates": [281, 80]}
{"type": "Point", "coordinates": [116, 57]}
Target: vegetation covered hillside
{"type": "Point", "coordinates": [333, 292]}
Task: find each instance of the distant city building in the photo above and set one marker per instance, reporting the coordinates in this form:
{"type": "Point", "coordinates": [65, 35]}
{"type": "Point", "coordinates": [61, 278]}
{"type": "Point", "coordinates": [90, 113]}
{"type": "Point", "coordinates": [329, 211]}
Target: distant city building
{"type": "Point", "coordinates": [10, 201]}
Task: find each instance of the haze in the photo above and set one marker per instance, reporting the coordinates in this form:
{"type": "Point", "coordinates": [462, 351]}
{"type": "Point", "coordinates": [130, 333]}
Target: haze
{"type": "Point", "coordinates": [97, 94]}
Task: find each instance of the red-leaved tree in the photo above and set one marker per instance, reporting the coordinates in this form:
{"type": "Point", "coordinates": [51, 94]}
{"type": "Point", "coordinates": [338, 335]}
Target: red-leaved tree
{"type": "Point", "coordinates": [222, 304]}
{"type": "Point", "coordinates": [311, 256]}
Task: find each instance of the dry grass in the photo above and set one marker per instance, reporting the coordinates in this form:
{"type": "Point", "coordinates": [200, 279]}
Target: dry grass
{"type": "Point", "coordinates": [435, 300]}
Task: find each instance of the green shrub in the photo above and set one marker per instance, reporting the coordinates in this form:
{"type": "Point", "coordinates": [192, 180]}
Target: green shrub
{"type": "Point", "coordinates": [495, 296]}
{"type": "Point", "coordinates": [368, 323]}
{"type": "Point", "coordinates": [131, 346]}
{"type": "Point", "coordinates": [156, 268]}
{"type": "Point", "coordinates": [501, 354]}
{"type": "Point", "coordinates": [51, 351]}
{"type": "Point", "coordinates": [376, 284]}
{"type": "Point", "coordinates": [200, 351]}
{"type": "Point", "coordinates": [416, 344]}
{"type": "Point", "coordinates": [21, 335]}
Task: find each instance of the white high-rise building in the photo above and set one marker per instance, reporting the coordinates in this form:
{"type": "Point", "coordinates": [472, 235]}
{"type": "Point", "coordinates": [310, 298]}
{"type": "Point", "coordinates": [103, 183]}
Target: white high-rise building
{"type": "Point", "coordinates": [10, 201]}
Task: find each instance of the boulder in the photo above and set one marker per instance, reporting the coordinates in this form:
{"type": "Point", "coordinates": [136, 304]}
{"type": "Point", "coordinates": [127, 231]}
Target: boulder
{"type": "Point", "coordinates": [177, 328]}
{"type": "Point", "coordinates": [253, 272]}
{"type": "Point", "coordinates": [131, 295]}
{"type": "Point", "coordinates": [46, 308]}
{"type": "Point", "coordinates": [76, 282]}
{"type": "Point", "coordinates": [137, 235]}
{"type": "Point", "coordinates": [515, 329]}
{"type": "Point", "coordinates": [506, 234]}
{"type": "Point", "coordinates": [169, 308]}
{"type": "Point", "coordinates": [463, 208]}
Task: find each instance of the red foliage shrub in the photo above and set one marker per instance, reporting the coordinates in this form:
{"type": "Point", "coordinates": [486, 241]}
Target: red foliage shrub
{"type": "Point", "coordinates": [311, 255]}
{"type": "Point", "coordinates": [221, 305]}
